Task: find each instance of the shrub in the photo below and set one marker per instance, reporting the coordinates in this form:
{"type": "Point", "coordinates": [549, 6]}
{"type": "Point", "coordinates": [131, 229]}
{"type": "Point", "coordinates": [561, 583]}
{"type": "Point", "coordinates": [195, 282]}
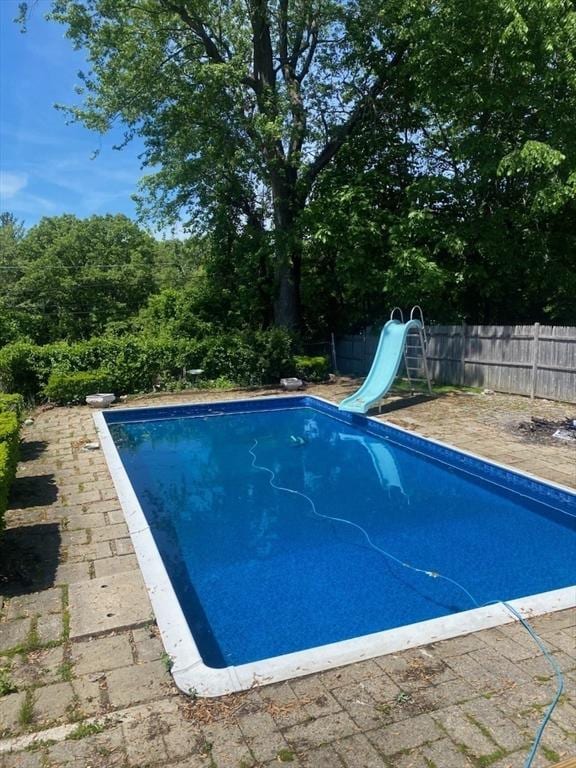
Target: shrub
{"type": "Point", "coordinates": [138, 363]}
{"type": "Point", "coordinates": [312, 368]}
{"type": "Point", "coordinates": [8, 458]}
{"type": "Point", "coordinates": [5, 481]}
{"type": "Point", "coordinates": [249, 358]}
{"type": "Point", "coordinates": [9, 431]}
{"type": "Point", "coordinates": [67, 388]}
{"type": "Point", "coordinates": [12, 403]}
{"type": "Point", "coordinates": [18, 370]}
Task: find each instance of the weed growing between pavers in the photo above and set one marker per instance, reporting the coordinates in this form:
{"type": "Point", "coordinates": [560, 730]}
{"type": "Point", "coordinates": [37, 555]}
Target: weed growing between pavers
{"type": "Point", "coordinates": [167, 662]}
{"type": "Point", "coordinates": [482, 728]}
{"type": "Point", "coordinates": [26, 713]}
{"type": "Point", "coordinates": [85, 729]}
{"type": "Point", "coordinates": [73, 711]}
{"type": "Point", "coordinates": [550, 754]}
{"type": "Point", "coordinates": [39, 744]}
{"type": "Point", "coordinates": [6, 684]}
{"type": "Point", "coordinates": [65, 613]}
{"type": "Point", "coordinates": [65, 671]}
{"type": "Point", "coordinates": [487, 760]}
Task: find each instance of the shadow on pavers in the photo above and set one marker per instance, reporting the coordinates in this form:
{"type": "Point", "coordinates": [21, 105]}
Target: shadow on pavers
{"type": "Point", "coordinates": [29, 558]}
{"type": "Point", "coordinates": [32, 449]}
{"type": "Point", "coordinates": [402, 402]}
{"type": "Point", "coordinates": [33, 491]}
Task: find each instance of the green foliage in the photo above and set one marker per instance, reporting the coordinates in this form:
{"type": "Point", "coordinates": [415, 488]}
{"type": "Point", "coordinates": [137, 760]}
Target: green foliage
{"type": "Point", "coordinates": [250, 358]}
{"type": "Point", "coordinates": [407, 152]}
{"type": "Point", "coordinates": [9, 444]}
{"type": "Point", "coordinates": [83, 730]}
{"type": "Point", "coordinates": [68, 388]}
{"type": "Point", "coordinates": [69, 277]}
{"type": "Point", "coordinates": [312, 368]}
{"type": "Point", "coordinates": [18, 369]}
{"type": "Point", "coordinates": [65, 372]}
{"type": "Point", "coordinates": [13, 403]}
{"type": "Point", "coordinates": [6, 684]}
{"type": "Point", "coordinates": [6, 477]}
{"type": "Point", "coordinates": [9, 428]}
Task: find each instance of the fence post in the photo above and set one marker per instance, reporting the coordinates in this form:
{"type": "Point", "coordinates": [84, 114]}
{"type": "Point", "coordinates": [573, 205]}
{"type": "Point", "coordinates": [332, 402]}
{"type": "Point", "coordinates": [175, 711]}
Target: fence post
{"type": "Point", "coordinates": [463, 355]}
{"type": "Point", "coordinates": [534, 360]}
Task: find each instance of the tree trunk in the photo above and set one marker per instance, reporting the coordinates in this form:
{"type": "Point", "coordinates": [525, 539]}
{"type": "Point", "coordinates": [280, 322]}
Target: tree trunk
{"type": "Point", "coordinates": [287, 302]}
{"type": "Point", "coordinates": [288, 248]}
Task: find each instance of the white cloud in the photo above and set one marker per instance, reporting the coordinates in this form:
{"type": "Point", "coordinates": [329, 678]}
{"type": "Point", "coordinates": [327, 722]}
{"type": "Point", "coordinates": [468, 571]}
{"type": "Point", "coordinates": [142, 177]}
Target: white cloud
{"type": "Point", "coordinates": [11, 184]}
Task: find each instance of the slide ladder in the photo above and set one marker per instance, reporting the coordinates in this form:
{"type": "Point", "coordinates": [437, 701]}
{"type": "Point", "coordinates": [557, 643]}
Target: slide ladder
{"type": "Point", "coordinates": [415, 361]}
{"type": "Point", "coordinates": [399, 342]}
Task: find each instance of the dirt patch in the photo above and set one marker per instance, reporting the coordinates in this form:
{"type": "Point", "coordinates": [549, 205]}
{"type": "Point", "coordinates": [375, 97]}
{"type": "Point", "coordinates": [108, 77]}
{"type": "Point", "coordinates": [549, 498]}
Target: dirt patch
{"type": "Point", "coordinates": [546, 431]}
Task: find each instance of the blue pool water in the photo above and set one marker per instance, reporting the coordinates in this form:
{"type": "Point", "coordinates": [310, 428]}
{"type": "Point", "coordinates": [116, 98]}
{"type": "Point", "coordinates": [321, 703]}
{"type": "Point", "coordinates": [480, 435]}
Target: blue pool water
{"type": "Point", "coordinates": [258, 574]}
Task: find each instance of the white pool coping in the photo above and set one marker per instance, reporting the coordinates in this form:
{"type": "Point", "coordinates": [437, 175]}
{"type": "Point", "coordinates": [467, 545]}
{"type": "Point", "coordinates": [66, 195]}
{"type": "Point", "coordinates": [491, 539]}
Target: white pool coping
{"type": "Point", "coordinates": [193, 676]}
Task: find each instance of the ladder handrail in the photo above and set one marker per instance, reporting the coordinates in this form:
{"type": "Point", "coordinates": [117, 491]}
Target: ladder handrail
{"type": "Point", "coordinates": [401, 314]}
{"type": "Point", "coordinates": [419, 308]}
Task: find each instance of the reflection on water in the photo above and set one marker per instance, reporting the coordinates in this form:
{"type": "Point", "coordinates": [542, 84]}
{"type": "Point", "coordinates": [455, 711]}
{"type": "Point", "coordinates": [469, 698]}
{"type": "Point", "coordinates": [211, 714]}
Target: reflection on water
{"type": "Point", "coordinates": [258, 574]}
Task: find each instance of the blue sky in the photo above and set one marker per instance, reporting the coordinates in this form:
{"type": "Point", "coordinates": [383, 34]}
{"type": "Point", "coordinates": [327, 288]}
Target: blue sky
{"type": "Point", "coordinates": [45, 165]}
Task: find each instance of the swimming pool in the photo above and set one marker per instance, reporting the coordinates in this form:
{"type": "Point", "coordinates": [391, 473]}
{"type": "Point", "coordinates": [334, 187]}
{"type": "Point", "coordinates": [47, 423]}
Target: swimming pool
{"type": "Point", "coordinates": [253, 583]}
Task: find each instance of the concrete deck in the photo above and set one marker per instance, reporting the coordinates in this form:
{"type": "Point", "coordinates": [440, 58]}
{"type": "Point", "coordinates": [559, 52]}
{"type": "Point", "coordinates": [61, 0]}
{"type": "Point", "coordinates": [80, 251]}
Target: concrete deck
{"type": "Point", "coordinates": [84, 681]}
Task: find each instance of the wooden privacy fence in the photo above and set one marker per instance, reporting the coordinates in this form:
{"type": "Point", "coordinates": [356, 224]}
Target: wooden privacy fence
{"type": "Point", "coordinates": [535, 360]}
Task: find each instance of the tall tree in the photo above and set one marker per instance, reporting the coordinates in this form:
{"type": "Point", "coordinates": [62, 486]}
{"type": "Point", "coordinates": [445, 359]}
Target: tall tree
{"type": "Point", "coordinates": [254, 95]}
{"type": "Point", "coordinates": [76, 275]}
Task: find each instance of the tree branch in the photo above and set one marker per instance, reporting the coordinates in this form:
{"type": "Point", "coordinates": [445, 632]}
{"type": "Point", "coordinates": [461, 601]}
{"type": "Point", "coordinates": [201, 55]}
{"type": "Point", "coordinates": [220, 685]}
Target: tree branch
{"type": "Point", "coordinates": [344, 131]}
{"type": "Point", "coordinates": [196, 25]}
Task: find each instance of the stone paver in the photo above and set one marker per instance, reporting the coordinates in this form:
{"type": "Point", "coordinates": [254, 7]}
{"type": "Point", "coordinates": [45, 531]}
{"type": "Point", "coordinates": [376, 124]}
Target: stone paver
{"type": "Point", "coordinates": [50, 628]}
{"type": "Point", "coordinates": [13, 633]}
{"type": "Point", "coordinates": [102, 654]}
{"type": "Point", "coordinates": [138, 683]}
{"type": "Point", "coordinates": [455, 704]}
{"type": "Point", "coordinates": [53, 702]}
{"type": "Point", "coordinates": [405, 735]}
{"type": "Point", "coordinates": [9, 709]}
{"type": "Point", "coordinates": [321, 730]}
{"type": "Point", "coordinates": [464, 731]}
{"type": "Point", "coordinates": [49, 601]}
{"type": "Point", "coordinates": [109, 565]}
{"type": "Point", "coordinates": [113, 602]}
{"type": "Point", "coordinates": [37, 668]}
{"type": "Point", "coordinates": [357, 751]}
{"type": "Point", "coordinates": [103, 750]}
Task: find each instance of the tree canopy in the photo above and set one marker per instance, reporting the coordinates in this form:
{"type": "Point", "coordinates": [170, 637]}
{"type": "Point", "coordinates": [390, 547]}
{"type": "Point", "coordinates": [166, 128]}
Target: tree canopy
{"type": "Point", "coordinates": [337, 156]}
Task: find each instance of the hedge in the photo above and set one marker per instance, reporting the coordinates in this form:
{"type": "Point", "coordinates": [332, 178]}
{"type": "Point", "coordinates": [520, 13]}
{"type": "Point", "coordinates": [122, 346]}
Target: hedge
{"type": "Point", "coordinates": [6, 478]}
{"type": "Point", "coordinates": [312, 368]}
{"type": "Point", "coordinates": [12, 403]}
{"type": "Point", "coordinates": [9, 443]}
{"type": "Point", "coordinates": [139, 363]}
{"type": "Point", "coordinates": [68, 388]}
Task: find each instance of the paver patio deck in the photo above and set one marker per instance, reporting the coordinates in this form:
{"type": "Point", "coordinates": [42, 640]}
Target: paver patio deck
{"type": "Point", "coordinates": [83, 676]}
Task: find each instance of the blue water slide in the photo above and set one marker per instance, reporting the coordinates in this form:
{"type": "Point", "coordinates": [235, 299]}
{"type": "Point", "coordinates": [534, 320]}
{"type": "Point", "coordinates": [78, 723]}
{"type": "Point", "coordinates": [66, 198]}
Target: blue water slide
{"type": "Point", "coordinates": [387, 359]}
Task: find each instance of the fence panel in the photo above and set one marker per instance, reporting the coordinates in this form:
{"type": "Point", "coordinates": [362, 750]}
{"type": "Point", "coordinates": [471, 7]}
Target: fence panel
{"type": "Point", "coordinates": [534, 360]}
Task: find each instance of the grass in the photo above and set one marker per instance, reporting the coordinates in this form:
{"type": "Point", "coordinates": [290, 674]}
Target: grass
{"type": "Point", "coordinates": [401, 386]}
{"type": "Point", "coordinates": [26, 713]}
{"type": "Point", "coordinates": [33, 641]}
{"type": "Point", "coordinates": [83, 730]}
{"type": "Point", "coordinates": [65, 671]}
{"type": "Point", "coordinates": [65, 613]}
{"type": "Point", "coordinates": [550, 754]}
{"type": "Point", "coordinates": [39, 744]}
{"type": "Point", "coordinates": [6, 685]}
{"type": "Point", "coordinates": [486, 760]}
{"type": "Point", "coordinates": [285, 756]}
